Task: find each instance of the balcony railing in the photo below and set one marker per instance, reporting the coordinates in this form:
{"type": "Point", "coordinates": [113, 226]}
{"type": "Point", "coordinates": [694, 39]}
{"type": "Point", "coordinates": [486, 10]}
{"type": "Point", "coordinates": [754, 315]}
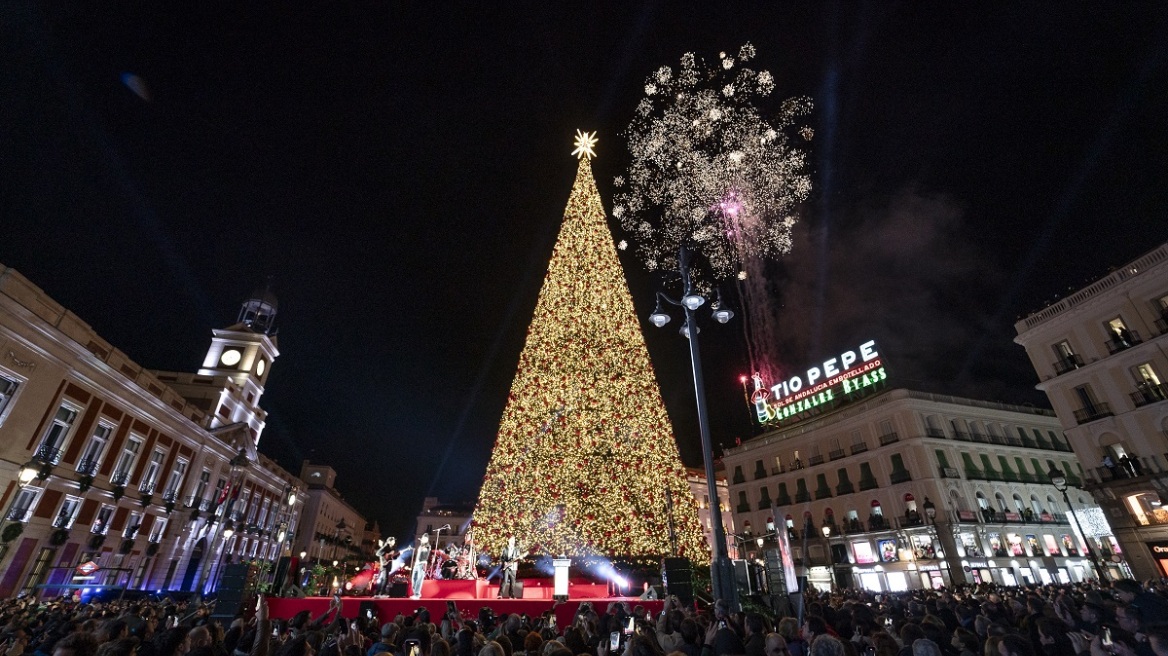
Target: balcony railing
{"type": "Point", "coordinates": [1093, 412]}
{"type": "Point", "coordinates": [868, 484]}
{"type": "Point", "coordinates": [764, 503]}
{"type": "Point", "coordinates": [120, 479]}
{"type": "Point", "coordinates": [743, 507]}
{"type": "Point", "coordinates": [1118, 473]}
{"type": "Point", "coordinates": [934, 432]}
{"type": "Point", "coordinates": [1123, 342]}
{"type": "Point", "coordinates": [980, 437]}
{"type": "Point", "coordinates": [964, 436]}
{"type": "Point", "coordinates": [88, 467]}
{"type": "Point", "coordinates": [170, 496]}
{"type": "Point", "coordinates": [816, 459]}
{"type": "Point", "coordinates": [760, 472]}
{"type": "Point", "coordinates": [783, 500]}
{"type": "Point", "coordinates": [62, 520]}
{"type": "Point", "coordinates": [902, 476]}
{"type": "Point", "coordinates": [836, 454]}
{"type": "Point", "coordinates": [1162, 326]}
{"type": "Point", "coordinates": [859, 447]}
{"type": "Point", "coordinates": [147, 487]}
{"type": "Point", "coordinates": [845, 488]}
{"type": "Point", "coordinates": [889, 438]}
{"type": "Point", "coordinates": [1067, 363]}
{"type": "Point", "coordinates": [738, 478]}
{"type": "Point", "coordinates": [949, 472]}
{"type": "Point", "coordinates": [20, 514]}
{"type": "Point", "coordinates": [802, 496]}
{"type": "Point", "coordinates": [1014, 441]}
{"type": "Point", "coordinates": [48, 454]}
{"type": "Point", "coordinates": [1149, 394]}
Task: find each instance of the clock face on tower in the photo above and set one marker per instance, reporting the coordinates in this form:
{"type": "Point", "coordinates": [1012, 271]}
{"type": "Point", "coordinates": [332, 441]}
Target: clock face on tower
{"type": "Point", "coordinates": [261, 367]}
{"type": "Point", "coordinates": [230, 357]}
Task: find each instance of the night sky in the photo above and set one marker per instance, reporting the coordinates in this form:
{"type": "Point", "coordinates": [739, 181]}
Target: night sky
{"type": "Point", "coordinates": [401, 170]}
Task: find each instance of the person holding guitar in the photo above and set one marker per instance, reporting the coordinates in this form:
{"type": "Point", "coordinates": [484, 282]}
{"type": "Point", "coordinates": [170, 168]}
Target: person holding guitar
{"type": "Point", "coordinates": [511, 556]}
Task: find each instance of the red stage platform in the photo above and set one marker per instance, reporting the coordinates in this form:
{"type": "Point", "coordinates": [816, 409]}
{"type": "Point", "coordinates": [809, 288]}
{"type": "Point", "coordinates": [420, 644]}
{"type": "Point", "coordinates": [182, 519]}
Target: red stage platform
{"type": "Point", "coordinates": [470, 596]}
{"type": "Point", "coordinates": [388, 608]}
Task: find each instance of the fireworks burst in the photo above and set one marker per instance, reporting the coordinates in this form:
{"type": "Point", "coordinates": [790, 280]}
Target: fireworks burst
{"type": "Point", "coordinates": [708, 170]}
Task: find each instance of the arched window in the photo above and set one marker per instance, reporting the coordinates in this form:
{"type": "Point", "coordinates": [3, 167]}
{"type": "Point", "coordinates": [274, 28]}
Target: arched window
{"type": "Point", "coordinates": [982, 502]}
{"type": "Point", "coordinates": [1035, 505]}
{"type": "Point", "coordinates": [1001, 501]}
{"type": "Point", "coordinates": [958, 502]}
{"type": "Point", "coordinates": [1054, 505]}
{"type": "Point", "coordinates": [1018, 503]}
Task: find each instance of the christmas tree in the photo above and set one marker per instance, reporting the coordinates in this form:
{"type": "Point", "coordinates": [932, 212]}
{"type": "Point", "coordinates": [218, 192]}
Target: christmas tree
{"type": "Point", "coordinates": [585, 460]}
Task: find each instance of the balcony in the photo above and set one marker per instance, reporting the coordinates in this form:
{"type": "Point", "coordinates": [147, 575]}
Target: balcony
{"type": "Point", "coordinates": [902, 476]}
{"type": "Point", "coordinates": [1067, 363]}
{"type": "Point", "coordinates": [859, 447]}
{"type": "Point", "coordinates": [816, 459]}
{"type": "Point", "coordinates": [889, 438]}
{"type": "Point", "coordinates": [88, 467]}
{"type": "Point", "coordinates": [980, 437]}
{"type": "Point", "coordinates": [1092, 412]}
{"type": "Point", "coordinates": [802, 496]}
{"type": "Point", "coordinates": [48, 455]}
{"type": "Point", "coordinates": [738, 478]}
{"type": "Point", "coordinates": [20, 514]}
{"type": "Point", "coordinates": [836, 454]}
{"type": "Point", "coordinates": [935, 432]}
{"type": "Point", "coordinates": [743, 508]}
{"type": "Point", "coordinates": [1149, 394]}
{"type": "Point", "coordinates": [949, 472]}
{"type": "Point", "coordinates": [63, 520]}
{"type": "Point", "coordinates": [845, 488]}
{"type": "Point", "coordinates": [1014, 441]}
{"type": "Point", "coordinates": [170, 496]}
{"type": "Point", "coordinates": [1123, 342]}
{"type": "Point", "coordinates": [868, 484]}
{"type": "Point", "coordinates": [759, 472]}
{"type": "Point", "coordinates": [764, 503]}
{"type": "Point", "coordinates": [783, 500]}
{"type": "Point", "coordinates": [822, 492]}
{"type": "Point", "coordinates": [963, 436]}
{"type": "Point", "coordinates": [120, 479]}
{"type": "Point", "coordinates": [1162, 325]}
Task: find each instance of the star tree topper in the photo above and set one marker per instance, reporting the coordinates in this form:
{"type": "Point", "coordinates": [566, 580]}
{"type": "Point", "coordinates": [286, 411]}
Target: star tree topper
{"type": "Point", "coordinates": [584, 143]}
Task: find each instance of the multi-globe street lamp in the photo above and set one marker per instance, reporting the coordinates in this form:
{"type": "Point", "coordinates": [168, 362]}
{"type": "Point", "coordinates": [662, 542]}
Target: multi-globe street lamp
{"type": "Point", "coordinates": [721, 569]}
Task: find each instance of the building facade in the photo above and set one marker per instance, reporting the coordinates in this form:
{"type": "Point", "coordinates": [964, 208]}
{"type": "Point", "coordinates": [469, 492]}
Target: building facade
{"type": "Point", "coordinates": [915, 490]}
{"type": "Point", "coordinates": [697, 486]}
{"type": "Point", "coordinates": [107, 465]}
{"type": "Point", "coordinates": [332, 529]}
{"type": "Point", "coordinates": [1101, 354]}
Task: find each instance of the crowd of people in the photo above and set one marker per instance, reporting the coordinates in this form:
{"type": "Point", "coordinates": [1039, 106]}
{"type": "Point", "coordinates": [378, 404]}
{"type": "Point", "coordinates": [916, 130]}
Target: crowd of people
{"type": "Point", "coordinates": [1124, 618]}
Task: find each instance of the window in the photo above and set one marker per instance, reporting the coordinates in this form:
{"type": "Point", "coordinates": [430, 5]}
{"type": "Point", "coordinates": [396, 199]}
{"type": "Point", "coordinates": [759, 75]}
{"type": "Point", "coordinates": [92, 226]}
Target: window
{"type": "Point", "coordinates": [150, 478]}
{"type": "Point", "coordinates": [133, 526]}
{"type": "Point", "coordinates": [67, 513]}
{"type": "Point", "coordinates": [1146, 375]}
{"type": "Point", "coordinates": [8, 387]}
{"type": "Point", "coordinates": [158, 530]}
{"type": "Point", "coordinates": [1063, 350]}
{"type": "Point", "coordinates": [1120, 336]}
{"type": "Point", "coordinates": [24, 504]}
{"type": "Point", "coordinates": [264, 512]}
{"type": "Point", "coordinates": [125, 463]}
{"type": "Point", "coordinates": [204, 481]}
{"type": "Point", "coordinates": [53, 443]}
{"type": "Point", "coordinates": [91, 457]}
{"type": "Point", "coordinates": [176, 479]}
{"type": "Point", "coordinates": [101, 524]}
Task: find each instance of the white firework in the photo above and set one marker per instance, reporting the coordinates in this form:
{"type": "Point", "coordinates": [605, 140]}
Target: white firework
{"type": "Point", "coordinates": [709, 170]}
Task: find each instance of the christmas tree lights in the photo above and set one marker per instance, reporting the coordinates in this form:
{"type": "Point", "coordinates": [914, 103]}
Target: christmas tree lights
{"type": "Point", "coordinates": [585, 452]}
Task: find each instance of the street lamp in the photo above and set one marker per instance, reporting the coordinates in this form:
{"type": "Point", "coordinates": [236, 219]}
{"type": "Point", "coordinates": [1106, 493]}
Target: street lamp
{"type": "Point", "coordinates": [228, 530]}
{"type": "Point", "coordinates": [930, 511]}
{"type": "Point", "coordinates": [1059, 481]}
{"type": "Point", "coordinates": [721, 570]}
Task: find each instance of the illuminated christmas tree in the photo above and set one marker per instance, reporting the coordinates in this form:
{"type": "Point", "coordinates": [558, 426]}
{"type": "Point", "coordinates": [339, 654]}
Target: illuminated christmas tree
{"type": "Point", "coordinates": [585, 460]}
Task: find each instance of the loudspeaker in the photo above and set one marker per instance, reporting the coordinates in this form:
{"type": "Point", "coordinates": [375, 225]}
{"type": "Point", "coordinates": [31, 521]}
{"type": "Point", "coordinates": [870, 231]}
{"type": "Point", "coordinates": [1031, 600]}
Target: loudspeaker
{"type": "Point", "coordinates": [677, 575]}
{"type": "Point", "coordinates": [517, 589]}
{"type": "Point", "coordinates": [774, 572]}
{"type": "Point", "coordinates": [742, 576]}
{"type": "Point", "coordinates": [237, 586]}
{"type": "Point", "coordinates": [399, 589]}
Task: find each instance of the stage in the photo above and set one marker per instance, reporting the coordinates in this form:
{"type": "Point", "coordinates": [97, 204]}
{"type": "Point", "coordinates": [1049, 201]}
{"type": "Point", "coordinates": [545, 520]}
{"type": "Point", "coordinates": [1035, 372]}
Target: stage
{"type": "Point", "coordinates": [389, 607]}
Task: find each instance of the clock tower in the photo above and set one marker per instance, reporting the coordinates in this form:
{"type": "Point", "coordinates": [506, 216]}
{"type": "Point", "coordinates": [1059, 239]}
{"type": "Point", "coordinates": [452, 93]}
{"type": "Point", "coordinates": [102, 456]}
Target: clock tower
{"type": "Point", "coordinates": [243, 354]}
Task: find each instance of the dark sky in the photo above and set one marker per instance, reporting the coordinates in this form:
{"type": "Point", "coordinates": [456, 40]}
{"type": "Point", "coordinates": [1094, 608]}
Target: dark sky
{"type": "Point", "coordinates": [401, 169]}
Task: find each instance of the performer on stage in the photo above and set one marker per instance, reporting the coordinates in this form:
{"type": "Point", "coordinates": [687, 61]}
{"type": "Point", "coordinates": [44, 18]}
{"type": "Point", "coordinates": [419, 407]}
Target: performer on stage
{"type": "Point", "coordinates": [386, 554]}
{"type": "Point", "coordinates": [511, 556]}
{"type": "Point", "coordinates": [468, 559]}
{"type": "Point", "coordinates": [421, 563]}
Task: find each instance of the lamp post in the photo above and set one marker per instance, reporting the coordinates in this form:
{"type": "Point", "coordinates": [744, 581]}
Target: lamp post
{"type": "Point", "coordinates": [721, 569]}
{"type": "Point", "coordinates": [1059, 481]}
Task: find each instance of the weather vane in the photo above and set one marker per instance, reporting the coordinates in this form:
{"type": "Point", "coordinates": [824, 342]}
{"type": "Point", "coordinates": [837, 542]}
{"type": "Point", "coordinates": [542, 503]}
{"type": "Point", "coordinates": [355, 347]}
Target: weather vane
{"type": "Point", "coordinates": [584, 143]}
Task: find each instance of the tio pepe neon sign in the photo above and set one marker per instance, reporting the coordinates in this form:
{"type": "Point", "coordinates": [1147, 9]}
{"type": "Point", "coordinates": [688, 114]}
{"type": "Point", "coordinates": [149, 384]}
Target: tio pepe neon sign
{"type": "Point", "coordinates": [851, 371]}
